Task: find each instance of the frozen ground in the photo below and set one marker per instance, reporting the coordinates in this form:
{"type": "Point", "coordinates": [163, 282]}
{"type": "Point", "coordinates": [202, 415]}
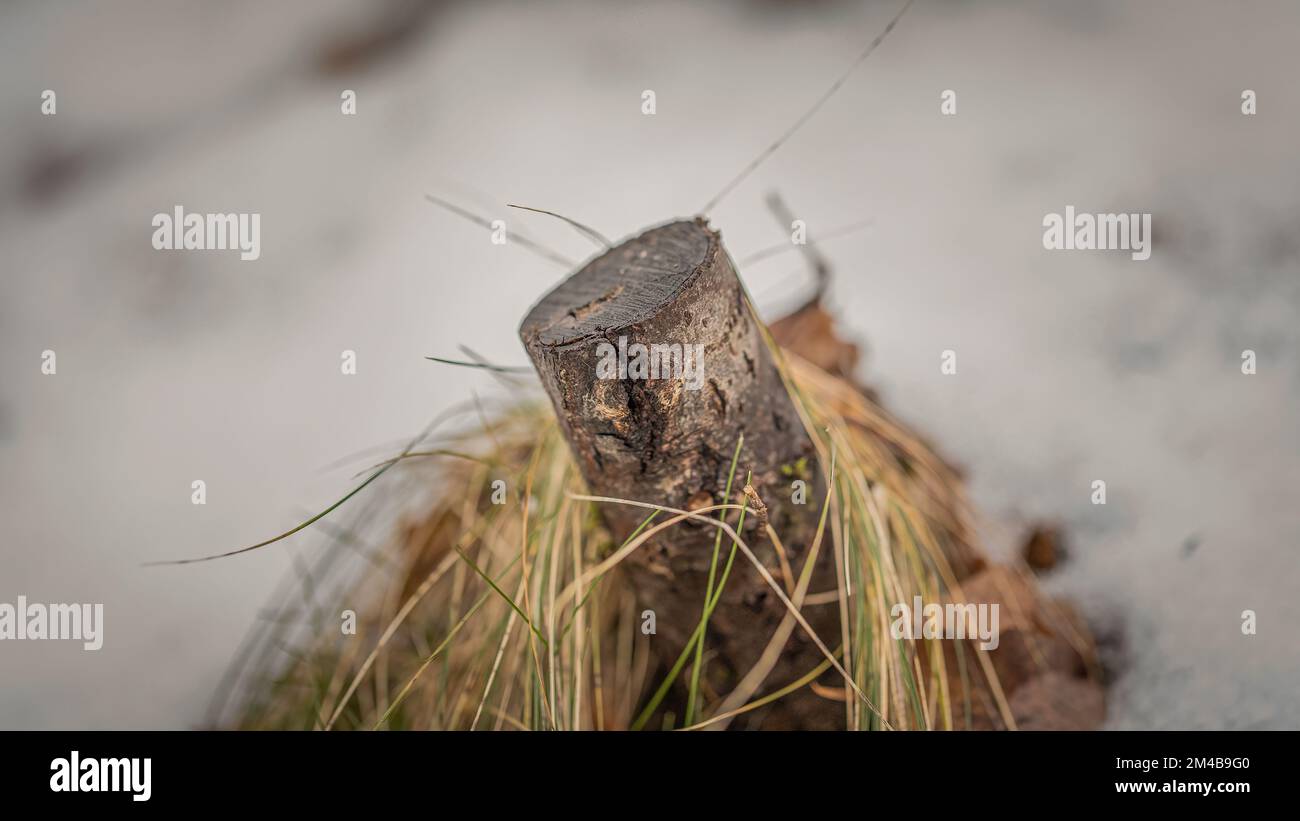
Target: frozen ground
{"type": "Point", "coordinates": [1071, 367]}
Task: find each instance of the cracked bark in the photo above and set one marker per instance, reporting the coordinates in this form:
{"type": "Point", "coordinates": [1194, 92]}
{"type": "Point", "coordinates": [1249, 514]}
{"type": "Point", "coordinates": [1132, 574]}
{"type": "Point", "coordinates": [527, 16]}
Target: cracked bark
{"type": "Point", "coordinates": [656, 440]}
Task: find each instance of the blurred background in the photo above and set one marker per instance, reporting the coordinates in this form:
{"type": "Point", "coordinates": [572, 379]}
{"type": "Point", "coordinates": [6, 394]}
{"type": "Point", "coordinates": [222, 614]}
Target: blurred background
{"type": "Point", "coordinates": [174, 367]}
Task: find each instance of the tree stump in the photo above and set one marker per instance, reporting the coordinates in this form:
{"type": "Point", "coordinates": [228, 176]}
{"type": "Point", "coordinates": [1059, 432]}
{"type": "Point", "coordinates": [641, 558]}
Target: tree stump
{"type": "Point", "coordinates": [670, 440]}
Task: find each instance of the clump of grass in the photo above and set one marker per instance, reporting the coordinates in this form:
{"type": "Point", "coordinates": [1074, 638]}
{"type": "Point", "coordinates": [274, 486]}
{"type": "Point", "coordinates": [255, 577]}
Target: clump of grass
{"type": "Point", "coordinates": [502, 606]}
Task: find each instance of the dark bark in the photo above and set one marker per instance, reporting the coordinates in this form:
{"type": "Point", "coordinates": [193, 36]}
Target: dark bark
{"type": "Point", "coordinates": [658, 440]}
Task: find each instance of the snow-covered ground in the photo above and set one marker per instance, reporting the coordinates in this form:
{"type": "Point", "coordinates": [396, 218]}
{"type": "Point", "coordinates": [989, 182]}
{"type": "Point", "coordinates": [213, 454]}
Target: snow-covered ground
{"type": "Point", "coordinates": [1072, 367]}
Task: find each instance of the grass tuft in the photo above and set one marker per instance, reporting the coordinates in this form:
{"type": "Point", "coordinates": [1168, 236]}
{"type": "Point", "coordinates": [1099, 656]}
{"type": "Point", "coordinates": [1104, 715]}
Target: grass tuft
{"type": "Point", "coordinates": [505, 607]}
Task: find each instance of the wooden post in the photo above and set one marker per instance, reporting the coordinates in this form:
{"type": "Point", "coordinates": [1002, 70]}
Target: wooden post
{"type": "Point", "coordinates": [670, 440]}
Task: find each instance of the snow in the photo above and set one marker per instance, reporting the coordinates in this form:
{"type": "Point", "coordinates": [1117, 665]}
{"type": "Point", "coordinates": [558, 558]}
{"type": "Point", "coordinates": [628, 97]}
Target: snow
{"type": "Point", "coordinates": [1072, 366]}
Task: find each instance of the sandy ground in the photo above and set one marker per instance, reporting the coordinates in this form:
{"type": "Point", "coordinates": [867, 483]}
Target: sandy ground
{"type": "Point", "coordinates": [1071, 367]}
